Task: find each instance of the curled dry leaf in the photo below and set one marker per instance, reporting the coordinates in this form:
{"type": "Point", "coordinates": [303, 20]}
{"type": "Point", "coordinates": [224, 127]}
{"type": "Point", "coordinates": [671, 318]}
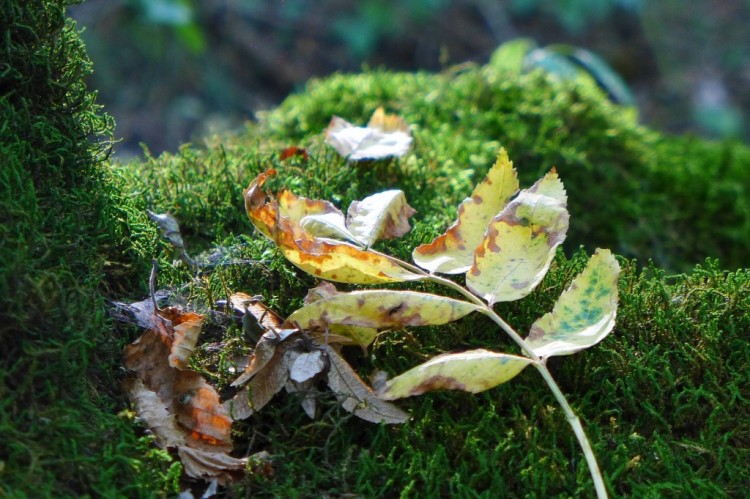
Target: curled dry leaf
{"type": "Point", "coordinates": [207, 465]}
{"type": "Point", "coordinates": [356, 397]}
{"type": "Point", "coordinates": [381, 216]}
{"type": "Point", "coordinates": [385, 135]}
{"type": "Point", "coordinates": [520, 243]}
{"type": "Point", "coordinates": [453, 252]}
{"type": "Point", "coordinates": [473, 371]}
{"type": "Point", "coordinates": [584, 314]}
{"type": "Point", "coordinates": [264, 384]}
{"type": "Point", "coordinates": [176, 404]}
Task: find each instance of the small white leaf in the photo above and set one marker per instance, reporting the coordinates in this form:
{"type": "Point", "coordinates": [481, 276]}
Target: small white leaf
{"type": "Point", "coordinates": [306, 366]}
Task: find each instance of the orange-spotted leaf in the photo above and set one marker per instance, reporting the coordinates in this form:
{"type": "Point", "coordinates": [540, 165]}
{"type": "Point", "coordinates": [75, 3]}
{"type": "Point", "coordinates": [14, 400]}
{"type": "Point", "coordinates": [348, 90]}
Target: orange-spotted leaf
{"type": "Point", "coordinates": [380, 309]}
{"type": "Point", "coordinates": [453, 252]}
{"type": "Point", "coordinates": [336, 261]}
{"type": "Point", "coordinates": [472, 371]}
{"type": "Point", "coordinates": [381, 216]}
{"type": "Point", "coordinates": [261, 212]}
{"type": "Point", "coordinates": [520, 243]}
{"type": "Point", "coordinates": [177, 405]}
{"type": "Point", "coordinates": [296, 207]}
{"type": "Point", "coordinates": [584, 314]}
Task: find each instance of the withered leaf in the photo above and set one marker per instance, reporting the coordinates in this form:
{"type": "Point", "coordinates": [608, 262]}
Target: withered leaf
{"type": "Point", "coordinates": [308, 393]}
{"type": "Point", "coordinates": [264, 352]}
{"type": "Point", "coordinates": [355, 396]}
{"type": "Point", "coordinates": [306, 366]}
{"type": "Point", "coordinates": [207, 465]}
{"type": "Point", "coordinates": [244, 303]}
{"type": "Point", "coordinates": [453, 251]}
{"type": "Point", "coordinates": [153, 414]}
{"type": "Point", "coordinates": [187, 327]}
{"type": "Point", "coordinates": [266, 383]}
{"type": "Point", "coordinates": [176, 404]}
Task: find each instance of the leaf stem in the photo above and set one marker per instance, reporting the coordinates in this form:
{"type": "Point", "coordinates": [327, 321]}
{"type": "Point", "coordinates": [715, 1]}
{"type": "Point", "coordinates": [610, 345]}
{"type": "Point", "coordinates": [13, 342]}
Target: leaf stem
{"type": "Point", "coordinates": [570, 415]}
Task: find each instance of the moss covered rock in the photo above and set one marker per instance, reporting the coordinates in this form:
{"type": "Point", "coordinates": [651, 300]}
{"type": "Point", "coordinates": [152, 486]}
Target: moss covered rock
{"type": "Point", "coordinates": [661, 397]}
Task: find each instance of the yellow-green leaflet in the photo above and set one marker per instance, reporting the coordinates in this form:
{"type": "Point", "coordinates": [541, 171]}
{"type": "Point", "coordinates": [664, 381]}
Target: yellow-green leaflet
{"type": "Point", "coordinates": [473, 371]}
{"type": "Point", "coordinates": [520, 243]}
{"type": "Point", "coordinates": [453, 252]}
{"type": "Point", "coordinates": [584, 314]}
{"type": "Point", "coordinates": [379, 309]}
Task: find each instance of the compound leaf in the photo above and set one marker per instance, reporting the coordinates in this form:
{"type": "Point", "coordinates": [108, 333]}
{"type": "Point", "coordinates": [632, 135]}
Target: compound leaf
{"type": "Point", "coordinates": [472, 371]}
{"type": "Point", "coordinates": [584, 314]}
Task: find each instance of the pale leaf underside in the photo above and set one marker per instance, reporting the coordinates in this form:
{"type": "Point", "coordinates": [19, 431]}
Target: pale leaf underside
{"type": "Point", "coordinates": [385, 135]}
{"type": "Point", "coordinates": [381, 216]}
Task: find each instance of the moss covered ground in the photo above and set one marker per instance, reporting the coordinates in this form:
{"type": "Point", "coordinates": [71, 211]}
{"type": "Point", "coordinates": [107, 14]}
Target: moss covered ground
{"type": "Point", "coordinates": [665, 398]}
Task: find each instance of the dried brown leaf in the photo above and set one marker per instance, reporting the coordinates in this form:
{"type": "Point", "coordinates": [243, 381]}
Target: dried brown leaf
{"type": "Point", "coordinates": [208, 465]}
{"type": "Point", "coordinates": [355, 396]}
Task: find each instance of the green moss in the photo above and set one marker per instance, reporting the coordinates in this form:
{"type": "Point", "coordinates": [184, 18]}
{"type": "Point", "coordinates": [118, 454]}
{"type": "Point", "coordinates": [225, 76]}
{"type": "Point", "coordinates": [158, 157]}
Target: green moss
{"type": "Point", "coordinates": [59, 428]}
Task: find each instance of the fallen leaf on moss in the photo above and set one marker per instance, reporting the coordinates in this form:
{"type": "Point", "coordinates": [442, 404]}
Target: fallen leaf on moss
{"type": "Point", "coordinates": [385, 135]}
{"type": "Point", "coordinates": [380, 309]}
{"type": "Point", "coordinates": [176, 404]}
{"type": "Point", "coordinates": [381, 216]}
{"type": "Point", "coordinates": [356, 397]}
{"type": "Point", "coordinates": [323, 258]}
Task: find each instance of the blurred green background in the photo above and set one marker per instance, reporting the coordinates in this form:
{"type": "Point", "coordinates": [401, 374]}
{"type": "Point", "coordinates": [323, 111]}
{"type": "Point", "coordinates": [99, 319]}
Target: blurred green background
{"type": "Point", "coordinates": [171, 71]}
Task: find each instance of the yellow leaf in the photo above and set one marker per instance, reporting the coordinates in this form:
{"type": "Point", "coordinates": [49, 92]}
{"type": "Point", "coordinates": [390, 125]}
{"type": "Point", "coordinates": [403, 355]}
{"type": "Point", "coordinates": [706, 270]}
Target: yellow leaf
{"type": "Point", "coordinates": [380, 309]}
{"type": "Point", "coordinates": [584, 314]}
{"type": "Point", "coordinates": [331, 260]}
{"type": "Point", "coordinates": [453, 252]}
{"type": "Point", "coordinates": [520, 243]}
{"type": "Point", "coordinates": [296, 207]}
{"type": "Point", "coordinates": [473, 371]}
{"type": "Point", "coordinates": [336, 261]}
